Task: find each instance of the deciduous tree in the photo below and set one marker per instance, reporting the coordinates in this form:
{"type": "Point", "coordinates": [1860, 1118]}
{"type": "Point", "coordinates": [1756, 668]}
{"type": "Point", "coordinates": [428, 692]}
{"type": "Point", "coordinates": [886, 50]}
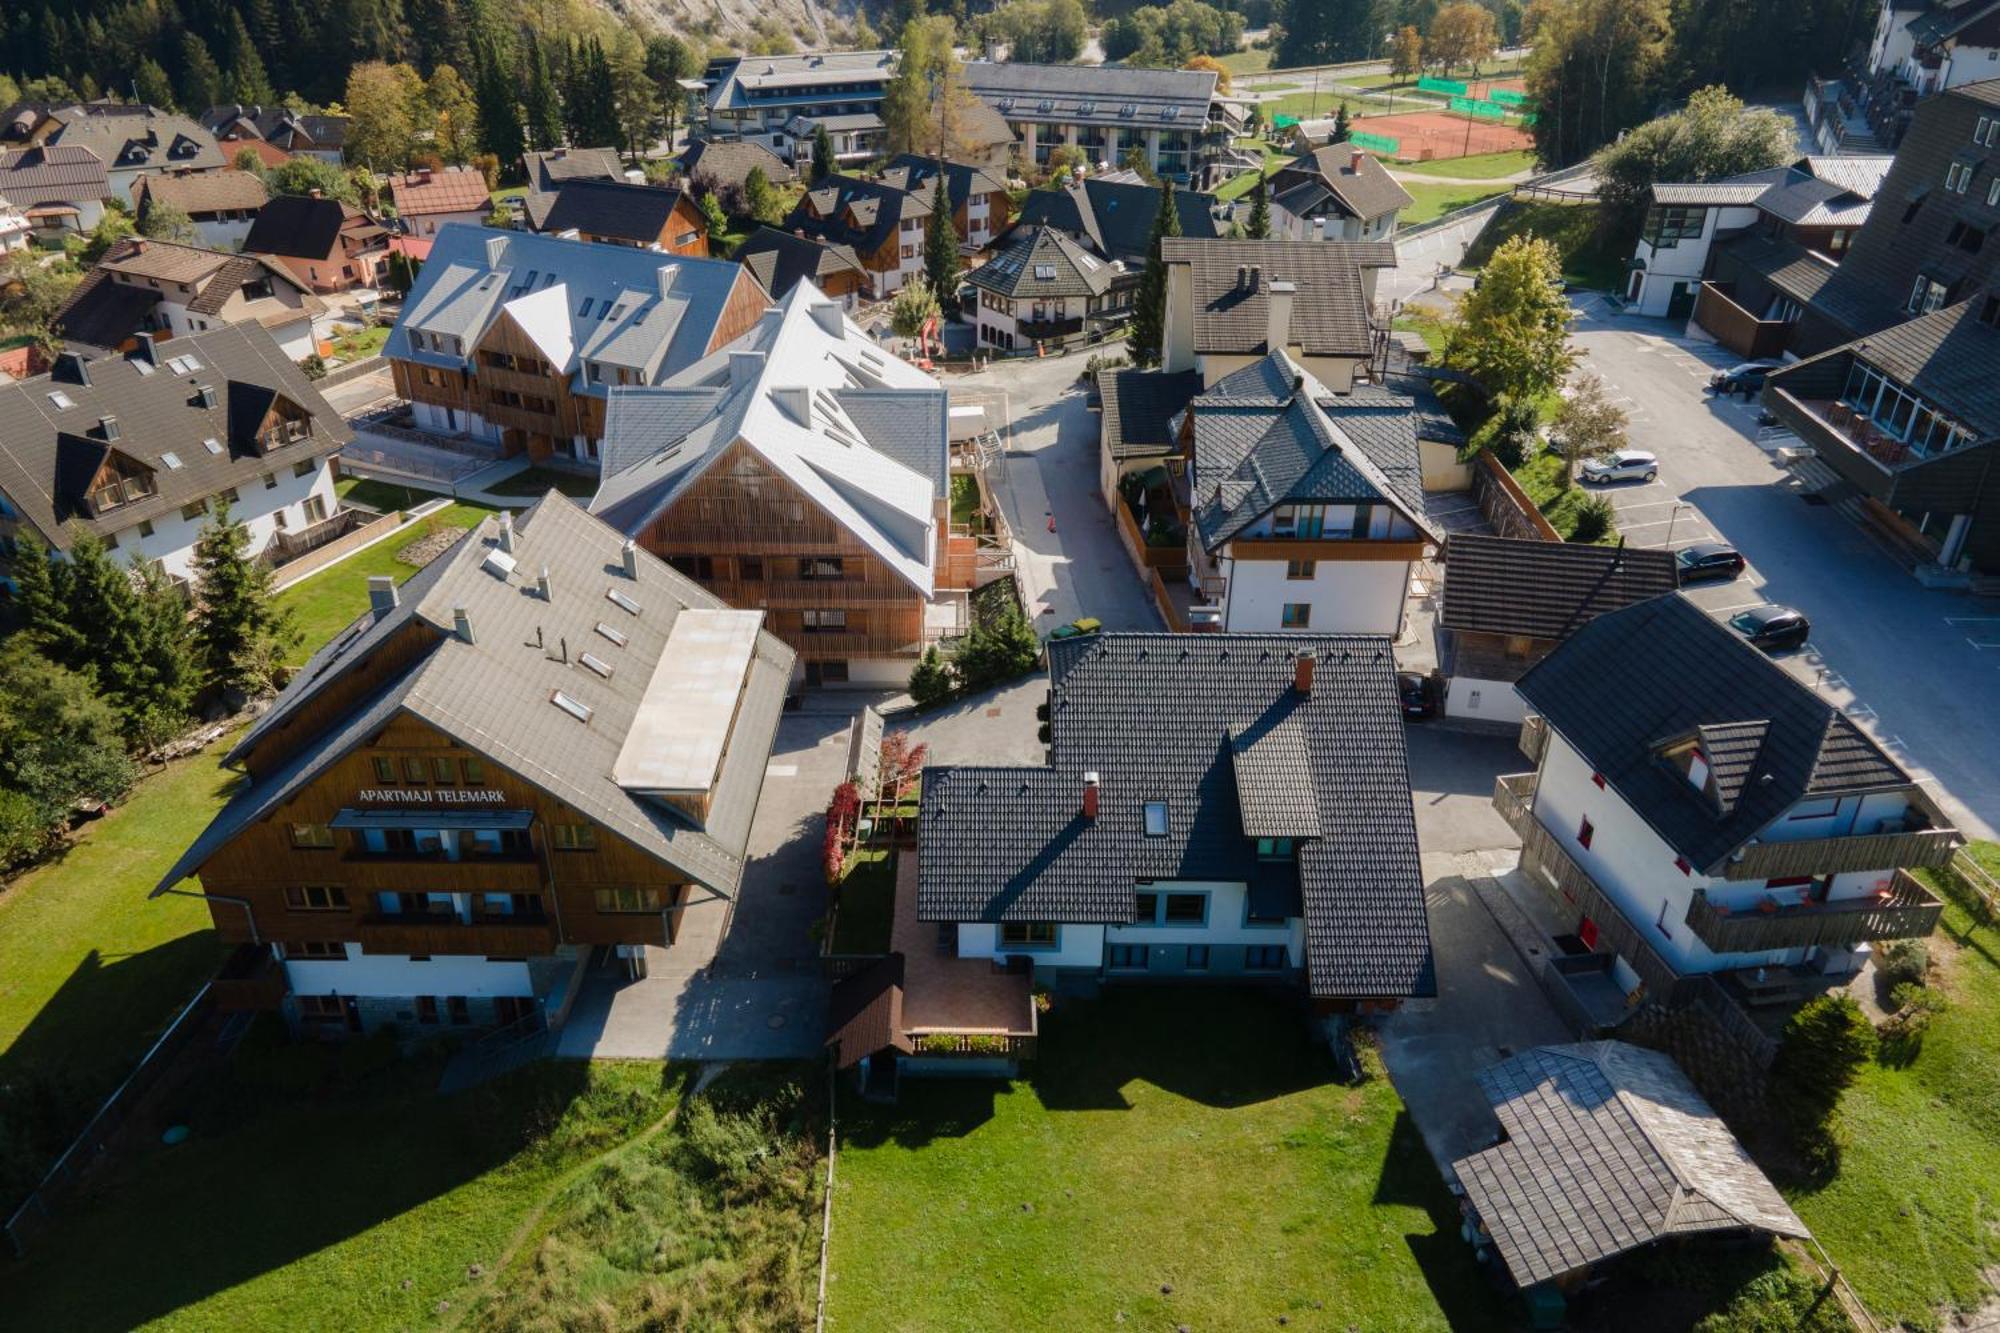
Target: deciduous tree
{"type": "Point", "coordinates": [60, 747]}
{"type": "Point", "coordinates": [381, 102]}
{"type": "Point", "coordinates": [1595, 70]}
{"type": "Point", "coordinates": [168, 222]}
{"type": "Point", "coordinates": [1406, 52]}
{"type": "Point", "coordinates": [1714, 136]}
{"type": "Point", "coordinates": [1587, 425]}
{"type": "Point", "coordinates": [1461, 34]}
{"type": "Point", "coordinates": [1511, 333]}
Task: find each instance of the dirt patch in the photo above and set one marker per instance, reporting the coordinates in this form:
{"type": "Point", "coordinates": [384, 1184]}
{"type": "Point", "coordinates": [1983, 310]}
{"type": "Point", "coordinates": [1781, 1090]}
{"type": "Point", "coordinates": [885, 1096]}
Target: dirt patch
{"type": "Point", "coordinates": [429, 546]}
{"type": "Point", "coordinates": [1427, 136]}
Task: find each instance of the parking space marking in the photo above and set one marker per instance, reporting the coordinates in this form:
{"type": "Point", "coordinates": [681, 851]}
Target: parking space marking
{"type": "Point", "coordinates": [1645, 504]}
{"type": "Point", "coordinates": [1679, 520]}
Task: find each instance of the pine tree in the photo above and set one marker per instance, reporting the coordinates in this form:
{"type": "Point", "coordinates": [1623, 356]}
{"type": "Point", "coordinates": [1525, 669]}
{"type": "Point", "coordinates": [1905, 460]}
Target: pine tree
{"type": "Point", "coordinates": [265, 28]}
{"type": "Point", "coordinates": [1259, 228]}
{"type": "Point", "coordinates": [238, 625]}
{"type": "Point", "coordinates": [247, 80]}
{"type": "Point", "coordinates": [824, 163]}
{"type": "Point", "coordinates": [541, 103]}
{"type": "Point", "coordinates": [201, 78]}
{"type": "Point", "coordinates": [154, 88]}
{"type": "Point", "coordinates": [1342, 125]}
{"type": "Point", "coordinates": [930, 679]}
{"type": "Point", "coordinates": [136, 634]}
{"type": "Point", "coordinates": [575, 98]}
{"type": "Point", "coordinates": [44, 591]}
{"type": "Point", "coordinates": [941, 247]}
{"type": "Point", "coordinates": [1149, 306]}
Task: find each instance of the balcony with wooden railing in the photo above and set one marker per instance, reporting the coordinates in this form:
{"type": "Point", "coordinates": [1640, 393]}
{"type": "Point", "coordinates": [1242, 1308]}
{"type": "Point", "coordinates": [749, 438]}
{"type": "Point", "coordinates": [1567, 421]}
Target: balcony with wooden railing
{"type": "Point", "coordinates": [515, 936]}
{"type": "Point", "coordinates": [1905, 910]}
{"type": "Point", "coordinates": [250, 981]}
{"type": "Point", "coordinates": [1534, 739]}
{"type": "Point", "coordinates": [1912, 847]}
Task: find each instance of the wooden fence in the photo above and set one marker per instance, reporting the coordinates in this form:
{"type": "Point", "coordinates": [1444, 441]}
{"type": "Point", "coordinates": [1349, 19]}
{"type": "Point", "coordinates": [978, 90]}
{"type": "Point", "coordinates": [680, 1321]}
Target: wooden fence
{"type": "Point", "coordinates": [1506, 506]}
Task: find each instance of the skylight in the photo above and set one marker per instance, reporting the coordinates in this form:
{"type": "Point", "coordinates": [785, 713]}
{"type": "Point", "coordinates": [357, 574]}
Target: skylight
{"type": "Point", "coordinates": [617, 636]}
{"type": "Point", "coordinates": [143, 366]}
{"type": "Point", "coordinates": [597, 664]}
{"type": "Point", "coordinates": [1156, 819]}
{"type": "Point", "coordinates": [1045, 272]}
{"type": "Point", "coordinates": [212, 444]}
{"type": "Point", "coordinates": [576, 708]}
{"type": "Point", "coordinates": [621, 601]}
{"type": "Point", "coordinates": [172, 459]}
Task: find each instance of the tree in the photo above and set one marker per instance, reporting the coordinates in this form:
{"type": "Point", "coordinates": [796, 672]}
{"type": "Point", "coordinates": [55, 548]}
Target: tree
{"type": "Point", "coordinates": [399, 274]}
{"type": "Point", "coordinates": [154, 88]}
{"type": "Point", "coordinates": [1461, 34]}
{"type": "Point", "coordinates": [634, 94]}
{"type": "Point", "coordinates": [1165, 36]}
{"type": "Point", "coordinates": [303, 175]}
{"type": "Point", "coordinates": [1149, 305]}
{"type": "Point", "coordinates": [761, 197]}
{"type": "Point", "coordinates": [925, 106]}
{"type": "Point", "coordinates": [941, 247]}
{"type": "Point", "coordinates": [1596, 69]}
{"type": "Point", "coordinates": [930, 679]}
{"type": "Point", "coordinates": [1259, 228]}
{"type": "Point", "coordinates": [453, 114]}
{"type": "Point", "coordinates": [44, 591]}
{"type": "Point", "coordinates": [1210, 64]}
{"type": "Point", "coordinates": [1320, 32]}
{"type": "Point", "coordinates": [168, 222]}
{"type": "Point", "coordinates": [1760, 45]}
{"type": "Point", "coordinates": [1135, 159]}
{"type": "Point", "coordinates": [239, 631]}
{"type": "Point", "coordinates": [541, 103]}
{"type": "Point", "coordinates": [1714, 136]}
{"type": "Point", "coordinates": [112, 228]}
{"type": "Point", "coordinates": [913, 307]}
{"type": "Point", "coordinates": [1511, 332]}
{"type": "Point", "coordinates": [590, 101]}
{"type": "Point", "coordinates": [1343, 125]}
{"type": "Point", "coordinates": [997, 650]}
{"type": "Point", "coordinates": [824, 163]}
{"type": "Point", "coordinates": [668, 61]}
{"type": "Point", "coordinates": [247, 80]}
{"type": "Point", "coordinates": [200, 76]}
{"type": "Point", "coordinates": [713, 213]}
{"type": "Point", "coordinates": [1826, 1044]}
{"type": "Point", "coordinates": [60, 747]}
{"type": "Point", "coordinates": [1587, 425]}
{"type": "Point", "coordinates": [495, 115]}
{"type": "Point", "coordinates": [1406, 53]}
{"type": "Point", "coordinates": [135, 627]}
{"type": "Point", "coordinates": [380, 102]}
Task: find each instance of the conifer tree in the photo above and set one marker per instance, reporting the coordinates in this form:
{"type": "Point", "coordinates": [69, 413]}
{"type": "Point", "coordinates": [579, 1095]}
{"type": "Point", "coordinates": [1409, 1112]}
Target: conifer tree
{"type": "Point", "coordinates": [1149, 305]}
{"type": "Point", "coordinates": [135, 631]}
{"type": "Point", "coordinates": [247, 81]}
{"type": "Point", "coordinates": [239, 625]}
{"type": "Point", "coordinates": [824, 163]}
{"type": "Point", "coordinates": [44, 590]}
{"type": "Point", "coordinates": [1259, 228]}
{"type": "Point", "coordinates": [499, 114]}
{"type": "Point", "coordinates": [200, 76]}
{"type": "Point", "coordinates": [541, 102]}
{"type": "Point", "coordinates": [941, 248]}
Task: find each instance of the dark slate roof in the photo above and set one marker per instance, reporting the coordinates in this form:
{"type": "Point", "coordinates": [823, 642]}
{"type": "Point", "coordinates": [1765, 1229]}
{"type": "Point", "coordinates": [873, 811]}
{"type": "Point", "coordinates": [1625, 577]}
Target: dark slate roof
{"type": "Point", "coordinates": [878, 210]}
{"type": "Point", "coordinates": [618, 210]}
{"type": "Point", "coordinates": [1263, 436]}
{"type": "Point", "coordinates": [914, 172]}
{"type": "Point", "coordinates": [1942, 22]}
{"type": "Point", "coordinates": [103, 313]}
{"type": "Point", "coordinates": [157, 413]}
{"type": "Point", "coordinates": [1607, 1147]}
{"type": "Point", "coordinates": [297, 226]}
{"type": "Point", "coordinates": [864, 1013]}
{"type": "Point", "coordinates": [728, 161]}
{"type": "Point", "coordinates": [1094, 94]}
{"type": "Point", "coordinates": [548, 172]}
{"type": "Point", "coordinates": [1310, 182]}
{"type": "Point", "coordinates": [1035, 262]}
{"type": "Point", "coordinates": [278, 125]}
{"type": "Point", "coordinates": [1637, 680]}
{"type": "Point", "coordinates": [780, 260]}
{"type": "Point", "coordinates": [1949, 357]}
{"type": "Point", "coordinates": [1786, 265]}
{"type": "Point", "coordinates": [1140, 407]}
{"type": "Point", "coordinates": [1329, 310]}
{"type": "Point", "coordinates": [1161, 717]}
{"type": "Point", "coordinates": [1545, 590]}
{"type": "Point", "coordinates": [1115, 216]}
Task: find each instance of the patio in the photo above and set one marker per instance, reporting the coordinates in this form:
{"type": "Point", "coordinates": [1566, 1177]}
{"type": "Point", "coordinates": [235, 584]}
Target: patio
{"type": "Point", "coordinates": [945, 995]}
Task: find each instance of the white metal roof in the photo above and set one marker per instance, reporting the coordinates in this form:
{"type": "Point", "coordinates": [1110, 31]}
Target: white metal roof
{"type": "Point", "coordinates": [677, 737]}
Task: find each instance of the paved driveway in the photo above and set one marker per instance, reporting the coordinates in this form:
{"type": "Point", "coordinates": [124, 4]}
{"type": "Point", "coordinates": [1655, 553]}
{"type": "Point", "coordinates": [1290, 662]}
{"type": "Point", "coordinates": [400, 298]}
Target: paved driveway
{"type": "Point", "coordinates": [1918, 669]}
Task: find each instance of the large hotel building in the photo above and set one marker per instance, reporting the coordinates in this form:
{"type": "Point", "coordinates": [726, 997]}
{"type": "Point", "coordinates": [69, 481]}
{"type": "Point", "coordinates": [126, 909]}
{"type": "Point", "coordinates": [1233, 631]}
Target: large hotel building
{"type": "Point", "coordinates": [545, 742]}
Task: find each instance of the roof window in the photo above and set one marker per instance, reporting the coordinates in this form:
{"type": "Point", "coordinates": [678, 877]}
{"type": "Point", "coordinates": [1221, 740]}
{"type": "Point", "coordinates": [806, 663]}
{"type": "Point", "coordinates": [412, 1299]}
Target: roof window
{"type": "Point", "coordinates": [172, 460]}
{"type": "Point", "coordinates": [575, 707]}
{"type": "Point", "coordinates": [617, 636]}
{"type": "Point", "coordinates": [1045, 272]}
{"type": "Point", "coordinates": [595, 663]}
{"type": "Point", "coordinates": [63, 402]}
{"type": "Point", "coordinates": [1156, 819]}
{"type": "Point", "coordinates": [212, 444]}
{"type": "Point", "coordinates": [621, 601]}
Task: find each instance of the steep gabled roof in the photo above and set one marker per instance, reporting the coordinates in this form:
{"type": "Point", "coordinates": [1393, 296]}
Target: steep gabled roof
{"type": "Point", "coordinates": [146, 140]}
{"type": "Point", "coordinates": [1635, 682]}
{"type": "Point", "coordinates": [1041, 262]}
{"type": "Point", "coordinates": [1140, 407]}
{"type": "Point", "coordinates": [1339, 178]}
{"type": "Point", "coordinates": [52, 174]}
{"type": "Point", "coordinates": [1115, 215]}
{"type": "Point", "coordinates": [1185, 720]}
{"type": "Point", "coordinates": [297, 226]}
{"type": "Point", "coordinates": [1330, 315]}
{"type": "Point", "coordinates": [1544, 590]}
{"type": "Point", "coordinates": [195, 193]}
{"type": "Point", "coordinates": [780, 260]}
{"type": "Point", "coordinates": [449, 190]}
{"type": "Point", "coordinates": [617, 210]}
{"type": "Point", "coordinates": [729, 161]}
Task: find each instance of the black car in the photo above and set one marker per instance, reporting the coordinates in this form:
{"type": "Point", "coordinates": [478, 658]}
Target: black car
{"type": "Point", "coordinates": [1772, 628]}
{"type": "Point", "coordinates": [1420, 695]}
{"type": "Point", "coordinates": [1745, 379]}
{"type": "Point", "coordinates": [1708, 560]}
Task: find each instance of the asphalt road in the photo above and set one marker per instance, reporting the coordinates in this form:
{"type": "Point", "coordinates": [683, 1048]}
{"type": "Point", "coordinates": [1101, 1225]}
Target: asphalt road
{"type": "Point", "coordinates": [1918, 669]}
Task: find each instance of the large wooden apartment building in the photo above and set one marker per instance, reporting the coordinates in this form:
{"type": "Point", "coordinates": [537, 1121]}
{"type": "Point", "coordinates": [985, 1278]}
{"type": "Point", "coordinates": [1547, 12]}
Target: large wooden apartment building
{"type": "Point", "coordinates": [517, 339]}
{"type": "Point", "coordinates": [545, 742]}
{"type": "Point", "coordinates": [804, 472]}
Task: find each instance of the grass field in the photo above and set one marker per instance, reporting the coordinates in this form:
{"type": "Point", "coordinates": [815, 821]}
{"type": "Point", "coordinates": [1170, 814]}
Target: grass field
{"type": "Point", "coordinates": [1174, 1157]}
{"type": "Point", "coordinates": [867, 903]}
{"type": "Point", "coordinates": [538, 481]}
{"type": "Point", "coordinates": [316, 1193]}
{"type": "Point", "coordinates": [1480, 166]}
{"type": "Point", "coordinates": [355, 346]}
{"type": "Point", "coordinates": [1909, 1216]}
{"type": "Point", "coordinates": [1592, 255]}
{"type": "Point", "coordinates": [1239, 186]}
{"type": "Point", "coordinates": [1248, 62]}
{"type": "Point", "coordinates": [1433, 201]}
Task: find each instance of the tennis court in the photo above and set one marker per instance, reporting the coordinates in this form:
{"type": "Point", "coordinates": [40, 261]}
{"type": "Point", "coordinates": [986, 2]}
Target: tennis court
{"type": "Point", "coordinates": [1424, 136]}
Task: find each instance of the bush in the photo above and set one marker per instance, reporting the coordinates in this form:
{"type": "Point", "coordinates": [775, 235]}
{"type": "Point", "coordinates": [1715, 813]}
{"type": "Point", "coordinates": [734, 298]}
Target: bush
{"type": "Point", "coordinates": [998, 650]}
{"type": "Point", "coordinates": [1782, 1301]}
{"type": "Point", "coordinates": [930, 679]}
{"type": "Point", "coordinates": [1593, 520]}
{"type": "Point", "coordinates": [1915, 1007]}
{"type": "Point", "coordinates": [1825, 1046]}
{"type": "Point", "coordinates": [1903, 963]}
{"type": "Point", "coordinates": [314, 367]}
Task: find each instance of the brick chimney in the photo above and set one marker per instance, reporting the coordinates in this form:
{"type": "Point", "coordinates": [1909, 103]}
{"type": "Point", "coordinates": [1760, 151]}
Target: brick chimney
{"type": "Point", "coordinates": [1354, 162]}
{"type": "Point", "coordinates": [1090, 795]}
{"type": "Point", "coordinates": [1302, 673]}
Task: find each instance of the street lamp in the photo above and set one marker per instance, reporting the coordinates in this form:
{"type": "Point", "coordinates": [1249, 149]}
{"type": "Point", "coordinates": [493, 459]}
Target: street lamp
{"type": "Point", "coordinates": [1673, 514]}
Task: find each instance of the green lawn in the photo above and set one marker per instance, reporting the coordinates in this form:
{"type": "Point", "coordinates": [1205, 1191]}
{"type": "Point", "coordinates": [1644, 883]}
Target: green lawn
{"type": "Point", "coordinates": [355, 346]}
{"type": "Point", "coordinates": [1480, 166]}
{"type": "Point", "coordinates": [538, 481]}
{"type": "Point", "coordinates": [1593, 255]}
{"type": "Point", "coordinates": [1190, 1139]}
{"type": "Point", "coordinates": [867, 903]}
{"type": "Point", "coordinates": [1425, 321]}
{"type": "Point", "coordinates": [1434, 201]}
{"type": "Point", "coordinates": [1540, 477]}
{"type": "Point", "coordinates": [323, 604]}
{"type": "Point", "coordinates": [1239, 186]}
{"type": "Point", "coordinates": [1909, 1216]}
{"type": "Point", "coordinates": [316, 1194]}
{"type": "Point", "coordinates": [1254, 61]}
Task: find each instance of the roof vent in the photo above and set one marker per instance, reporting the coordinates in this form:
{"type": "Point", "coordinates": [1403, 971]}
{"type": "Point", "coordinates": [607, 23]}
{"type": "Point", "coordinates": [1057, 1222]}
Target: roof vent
{"type": "Point", "coordinates": [629, 554]}
{"type": "Point", "coordinates": [499, 564]}
{"type": "Point", "coordinates": [507, 532]}
{"type": "Point", "coordinates": [382, 595]}
{"type": "Point", "coordinates": [542, 587]}
{"type": "Point", "coordinates": [667, 272]}
{"type": "Point", "coordinates": [745, 368]}
{"type": "Point", "coordinates": [795, 401]}
{"type": "Point", "coordinates": [461, 624]}
{"type": "Point", "coordinates": [107, 426]}
{"type": "Point", "coordinates": [204, 394]}
{"type": "Point", "coordinates": [496, 248]}
{"type": "Point", "coordinates": [1090, 795]}
{"type": "Point", "coordinates": [830, 319]}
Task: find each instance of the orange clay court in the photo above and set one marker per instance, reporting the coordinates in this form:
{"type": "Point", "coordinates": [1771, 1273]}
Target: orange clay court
{"type": "Point", "coordinates": [1425, 136]}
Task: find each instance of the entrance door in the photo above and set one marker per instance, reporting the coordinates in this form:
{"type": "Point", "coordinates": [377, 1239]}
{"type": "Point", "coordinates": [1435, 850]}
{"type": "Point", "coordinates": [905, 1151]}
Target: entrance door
{"type": "Point", "coordinates": [1681, 304]}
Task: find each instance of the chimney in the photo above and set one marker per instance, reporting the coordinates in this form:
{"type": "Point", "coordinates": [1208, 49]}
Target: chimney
{"type": "Point", "coordinates": [1302, 673]}
{"type": "Point", "coordinates": [496, 250]}
{"type": "Point", "coordinates": [1090, 795]}
{"type": "Point", "coordinates": [423, 175]}
{"type": "Point", "coordinates": [830, 320]}
{"type": "Point", "coordinates": [315, 193]}
{"type": "Point", "coordinates": [1256, 276]}
{"type": "Point", "coordinates": [630, 553]}
{"type": "Point", "coordinates": [107, 426]}
{"type": "Point", "coordinates": [1278, 335]}
{"type": "Point", "coordinates": [542, 585]}
{"type": "Point", "coordinates": [1242, 275]}
{"type": "Point", "coordinates": [745, 368]}
{"type": "Point", "coordinates": [461, 624]}
{"type": "Point", "coordinates": [204, 395]}
{"type": "Point", "coordinates": [507, 531]}
{"type": "Point", "coordinates": [1319, 229]}
{"type": "Point", "coordinates": [795, 401]}
{"type": "Point", "coordinates": [667, 272]}
{"type": "Point", "coordinates": [1354, 162]}
{"type": "Point", "coordinates": [136, 246]}
{"type": "Point", "coordinates": [382, 595]}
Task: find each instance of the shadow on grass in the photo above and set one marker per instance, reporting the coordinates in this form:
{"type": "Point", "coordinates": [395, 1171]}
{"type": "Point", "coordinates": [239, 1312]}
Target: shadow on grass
{"type": "Point", "coordinates": [1462, 1289]}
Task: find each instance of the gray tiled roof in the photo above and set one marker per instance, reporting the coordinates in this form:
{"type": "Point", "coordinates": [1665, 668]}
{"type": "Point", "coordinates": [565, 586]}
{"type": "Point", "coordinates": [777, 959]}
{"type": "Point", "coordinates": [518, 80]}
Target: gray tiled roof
{"type": "Point", "coordinates": [1948, 357]}
{"type": "Point", "coordinates": [1116, 216]}
{"type": "Point", "coordinates": [493, 695]}
{"type": "Point", "coordinates": [1545, 590]}
{"type": "Point", "coordinates": [616, 209]}
{"type": "Point", "coordinates": [1159, 718]}
{"type": "Point", "coordinates": [780, 260]}
{"type": "Point", "coordinates": [1330, 315]}
{"type": "Point", "coordinates": [155, 141]}
{"type": "Point", "coordinates": [1943, 21]}
{"type": "Point", "coordinates": [1366, 191]}
{"type": "Point", "coordinates": [737, 86]}
{"type": "Point", "coordinates": [1140, 407]}
{"type": "Point", "coordinates": [47, 454]}
{"type": "Point", "coordinates": [728, 161]}
{"type": "Point", "coordinates": [1095, 94]}
{"type": "Point", "coordinates": [1786, 265]}
{"type": "Point", "coordinates": [1608, 1147]}
{"type": "Point", "coordinates": [1641, 678]}
{"type": "Point", "coordinates": [878, 209]}
{"type": "Point", "coordinates": [1035, 262]}
{"type": "Point", "coordinates": [279, 125]}
{"type": "Point", "coordinates": [51, 174]}
{"type": "Point", "coordinates": [917, 173]}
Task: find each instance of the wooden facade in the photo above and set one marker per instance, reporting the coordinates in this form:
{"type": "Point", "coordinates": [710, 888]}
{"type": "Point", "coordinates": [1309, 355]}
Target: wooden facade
{"type": "Point", "coordinates": [304, 881]}
{"type": "Point", "coordinates": [747, 534]}
{"type": "Point", "coordinates": [532, 402]}
{"type": "Point", "coordinates": [685, 232]}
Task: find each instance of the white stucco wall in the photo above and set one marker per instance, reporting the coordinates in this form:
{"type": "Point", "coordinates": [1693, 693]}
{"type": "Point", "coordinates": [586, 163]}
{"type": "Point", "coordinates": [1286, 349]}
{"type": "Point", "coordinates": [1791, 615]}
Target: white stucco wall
{"type": "Point", "coordinates": [1483, 700]}
{"type": "Point", "coordinates": [1346, 596]}
{"type": "Point", "coordinates": [395, 975]}
{"type": "Point", "coordinates": [1076, 945]}
{"type": "Point", "coordinates": [173, 537]}
{"type": "Point", "coordinates": [1683, 262]}
{"type": "Point", "coordinates": [1226, 923]}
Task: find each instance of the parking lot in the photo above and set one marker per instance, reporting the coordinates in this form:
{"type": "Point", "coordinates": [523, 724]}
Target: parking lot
{"type": "Point", "coordinates": [1919, 669]}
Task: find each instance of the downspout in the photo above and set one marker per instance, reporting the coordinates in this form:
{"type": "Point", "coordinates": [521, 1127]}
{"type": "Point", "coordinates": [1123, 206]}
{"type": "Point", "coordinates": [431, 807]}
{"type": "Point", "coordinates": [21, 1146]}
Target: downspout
{"type": "Point", "coordinates": [555, 899]}
{"type": "Point", "coordinates": [249, 912]}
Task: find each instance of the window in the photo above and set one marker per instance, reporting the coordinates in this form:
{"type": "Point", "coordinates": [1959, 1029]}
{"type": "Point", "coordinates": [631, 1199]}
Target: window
{"type": "Point", "coordinates": [1957, 176]}
{"type": "Point", "coordinates": [1993, 193]}
{"type": "Point", "coordinates": [1197, 958]}
{"type": "Point", "coordinates": [592, 662]}
{"type": "Point", "coordinates": [304, 469]}
{"type": "Point", "coordinates": [1145, 908]}
{"type": "Point", "coordinates": [278, 519]}
{"type": "Point", "coordinates": [1274, 849]}
{"type": "Point", "coordinates": [270, 481]}
{"type": "Point", "coordinates": [631, 900]}
{"type": "Point", "coordinates": [473, 771]}
{"type": "Point", "coordinates": [145, 527]}
{"type": "Point", "coordinates": [385, 772]}
{"type": "Point", "coordinates": [460, 1011]}
{"type": "Point", "coordinates": [1301, 569]}
{"type": "Point", "coordinates": [573, 837]}
{"type": "Point", "coordinates": [750, 568]}
{"type": "Point", "coordinates": [111, 542]}
{"type": "Point", "coordinates": [575, 707]}
{"type": "Point", "coordinates": [323, 950]}
{"type": "Point", "coordinates": [315, 509]}
{"type": "Point", "coordinates": [321, 1009]}
{"type": "Point", "coordinates": [1187, 909]}
{"type": "Point", "coordinates": [194, 511]}
{"type": "Point", "coordinates": [616, 636]}
{"type": "Point", "coordinates": [427, 1009]}
{"type": "Point", "coordinates": [1668, 225]}
{"type": "Point", "coordinates": [825, 621]}
{"type": "Point", "coordinates": [1263, 957]}
{"type": "Point", "coordinates": [1028, 934]}
{"type": "Point", "coordinates": [229, 495]}
{"type": "Point", "coordinates": [1128, 957]}
{"type": "Point", "coordinates": [417, 771]}
{"type": "Point", "coordinates": [317, 836]}
{"type": "Point", "coordinates": [1297, 615]}
{"type": "Point", "coordinates": [444, 772]}
{"type": "Point", "coordinates": [1156, 819]}
{"type": "Point", "coordinates": [1585, 832]}
{"type": "Point", "coordinates": [821, 567]}
{"type": "Point", "coordinates": [315, 898]}
{"type": "Point", "coordinates": [694, 566]}
{"type": "Point", "coordinates": [1926, 296]}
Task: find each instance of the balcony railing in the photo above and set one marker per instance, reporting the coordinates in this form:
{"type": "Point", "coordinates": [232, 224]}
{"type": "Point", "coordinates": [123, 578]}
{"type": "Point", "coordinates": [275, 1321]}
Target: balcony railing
{"type": "Point", "coordinates": [1830, 856]}
{"type": "Point", "coordinates": [1905, 910]}
{"type": "Point", "coordinates": [975, 1045]}
{"type": "Point", "coordinates": [1854, 429]}
{"type": "Point", "coordinates": [121, 493]}
{"type": "Point", "coordinates": [513, 936]}
{"type": "Point", "coordinates": [1534, 737]}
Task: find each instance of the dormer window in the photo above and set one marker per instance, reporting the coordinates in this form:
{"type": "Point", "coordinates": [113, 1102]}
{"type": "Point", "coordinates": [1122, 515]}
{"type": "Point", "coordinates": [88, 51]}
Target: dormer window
{"type": "Point", "coordinates": [1274, 849]}
{"type": "Point", "coordinates": [1696, 769]}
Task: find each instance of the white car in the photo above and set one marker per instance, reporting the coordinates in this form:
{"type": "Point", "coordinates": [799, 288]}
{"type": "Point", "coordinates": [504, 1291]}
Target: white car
{"type": "Point", "coordinates": [1625, 465]}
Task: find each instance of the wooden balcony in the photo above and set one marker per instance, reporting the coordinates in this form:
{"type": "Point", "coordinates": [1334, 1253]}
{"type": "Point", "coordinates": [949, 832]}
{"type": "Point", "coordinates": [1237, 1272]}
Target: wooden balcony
{"type": "Point", "coordinates": [250, 981]}
{"type": "Point", "coordinates": [485, 874]}
{"type": "Point", "coordinates": [1534, 739]}
{"type": "Point", "coordinates": [1906, 910]}
{"type": "Point", "coordinates": [975, 1045]}
{"type": "Point", "coordinates": [1928, 847]}
{"type": "Point", "coordinates": [499, 937]}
